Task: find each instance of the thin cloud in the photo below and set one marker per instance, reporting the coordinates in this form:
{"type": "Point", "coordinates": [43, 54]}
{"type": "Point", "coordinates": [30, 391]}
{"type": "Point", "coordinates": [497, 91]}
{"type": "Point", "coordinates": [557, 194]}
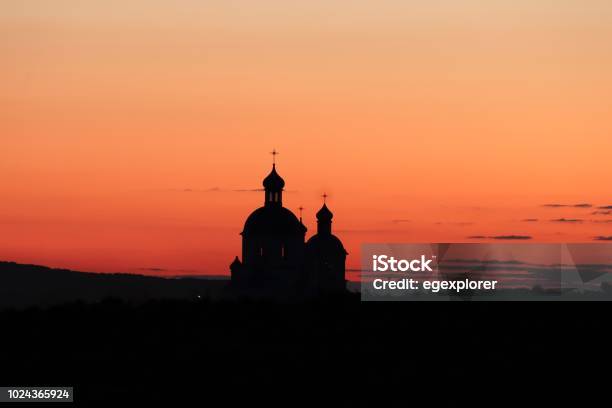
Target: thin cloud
{"type": "Point", "coordinates": [512, 237]}
{"type": "Point", "coordinates": [400, 221]}
{"type": "Point", "coordinates": [459, 223]}
{"type": "Point", "coordinates": [222, 190]}
{"type": "Point", "coordinates": [605, 212]}
{"type": "Point", "coordinates": [567, 220]}
{"type": "Point", "coordinates": [603, 238]}
{"type": "Point", "coordinates": [605, 207]}
{"type": "Point", "coordinates": [530, 220]}
{"type": "Point", "coordinates": [557, 205]}
{"type": "Point", "coordinates": [502, 237]}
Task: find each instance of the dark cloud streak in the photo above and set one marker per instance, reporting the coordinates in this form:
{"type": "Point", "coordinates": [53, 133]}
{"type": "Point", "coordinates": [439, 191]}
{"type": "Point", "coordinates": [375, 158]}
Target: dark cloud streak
{"type": "Point", "coordinates": [221, 190]}
{"type": "Point", "coordinates": [502, 237]}
{"type": "Point", "coordinates": [567, 220]}
{"type": "Point", "coordinates": [400, 221]}
{"type": "Point", "coordinates": [557, 205]}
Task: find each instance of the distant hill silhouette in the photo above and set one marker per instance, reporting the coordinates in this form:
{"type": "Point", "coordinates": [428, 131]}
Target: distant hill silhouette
{"type": "Point", "coordinates": [136, 347]}
{"type": "Point", "coordinates": [32, 285]}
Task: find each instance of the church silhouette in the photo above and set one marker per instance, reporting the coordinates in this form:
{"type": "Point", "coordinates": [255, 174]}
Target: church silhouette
{"type": "Point", "coordinates": [276, 259]}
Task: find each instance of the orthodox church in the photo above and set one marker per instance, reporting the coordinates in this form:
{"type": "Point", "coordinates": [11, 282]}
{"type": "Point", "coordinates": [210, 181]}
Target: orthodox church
{"type": "Point", "coordinates": [275, 256]}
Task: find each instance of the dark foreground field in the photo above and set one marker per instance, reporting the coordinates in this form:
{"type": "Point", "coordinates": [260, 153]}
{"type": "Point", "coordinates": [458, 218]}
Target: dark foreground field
{"type": "Point", "coordinates": [321, 351]}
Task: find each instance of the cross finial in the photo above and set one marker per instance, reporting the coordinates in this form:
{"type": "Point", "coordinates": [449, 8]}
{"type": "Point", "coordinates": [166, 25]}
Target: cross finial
{"type": "Point", "coordinates": [273, 153]}
{"type": "Point", "coordinates": [301, 209]}
{"type": "Point", "coordinates": [324, 198]}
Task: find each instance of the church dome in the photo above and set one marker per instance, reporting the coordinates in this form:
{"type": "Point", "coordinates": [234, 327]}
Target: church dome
{"type": "Point", "coordinates": [273, 181]}
{"type": "Point", "coordinates": [324, 214]}
{"type": "Point", "coordinates": [273, 221]}
{"type": "Point", "coordinates": [325, 243]}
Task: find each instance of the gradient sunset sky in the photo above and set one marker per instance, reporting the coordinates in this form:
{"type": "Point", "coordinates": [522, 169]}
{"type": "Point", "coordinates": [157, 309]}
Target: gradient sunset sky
{"type": "Point", "coordinates": [133, 132]}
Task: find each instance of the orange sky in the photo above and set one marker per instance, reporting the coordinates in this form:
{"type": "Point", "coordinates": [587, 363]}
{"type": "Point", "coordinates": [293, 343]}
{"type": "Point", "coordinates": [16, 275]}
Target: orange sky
{"type": "Point", "coordinates": [424, 121]}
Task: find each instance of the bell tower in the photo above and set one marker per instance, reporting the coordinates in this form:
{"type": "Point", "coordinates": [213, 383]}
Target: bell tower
{"type": "Point", "coordinates": [324, 218]}
{"type": "Point", "coordinates": [273, 186]}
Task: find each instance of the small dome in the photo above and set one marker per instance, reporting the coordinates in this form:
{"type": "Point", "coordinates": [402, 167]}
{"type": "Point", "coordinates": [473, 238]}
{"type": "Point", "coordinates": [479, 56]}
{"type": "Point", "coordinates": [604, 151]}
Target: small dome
{"type": "Point", "coordinates": [273, 181]}
{"type": "Point", "coordinates": [324, 214]}
{"type": "Point", "coordinates": [325, 243]}
{"type": "Point", "coordinates": [273, 221]}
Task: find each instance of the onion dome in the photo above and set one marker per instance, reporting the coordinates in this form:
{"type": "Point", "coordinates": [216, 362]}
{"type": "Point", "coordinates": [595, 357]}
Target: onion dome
{"type": "Point", "coordinates": [273, 181]}
{"type": "Point", "coordinates": [324, 214]}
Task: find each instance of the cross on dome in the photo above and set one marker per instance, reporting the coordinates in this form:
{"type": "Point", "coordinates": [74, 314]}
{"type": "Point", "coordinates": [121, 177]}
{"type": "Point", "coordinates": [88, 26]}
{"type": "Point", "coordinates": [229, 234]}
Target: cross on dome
{"type": "Point", "coordinates": [274, 153]}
